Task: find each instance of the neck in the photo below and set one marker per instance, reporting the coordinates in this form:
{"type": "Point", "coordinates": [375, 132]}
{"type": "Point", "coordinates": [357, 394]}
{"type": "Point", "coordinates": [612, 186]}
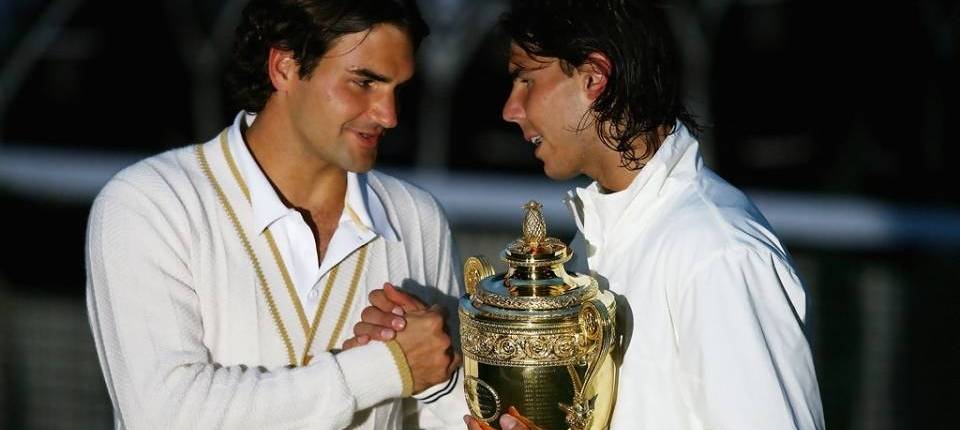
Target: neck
{"type": "Point", "coordinates": [608, 171]}
{"type": "Point", "coordinates": [299, 177]}
{"type": "Point", "coordinates": [616, 178]}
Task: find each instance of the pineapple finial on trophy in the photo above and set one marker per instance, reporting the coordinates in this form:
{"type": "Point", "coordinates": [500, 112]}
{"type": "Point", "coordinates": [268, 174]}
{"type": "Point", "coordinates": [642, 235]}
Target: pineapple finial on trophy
{"type": "Point", "coordinates": [534, 226]}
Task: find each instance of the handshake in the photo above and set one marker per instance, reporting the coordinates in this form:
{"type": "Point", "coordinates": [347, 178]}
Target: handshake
{"type": "Point", "coordinates": [418, 329]}
{"type": "Point", "coordinates": [394, 314]}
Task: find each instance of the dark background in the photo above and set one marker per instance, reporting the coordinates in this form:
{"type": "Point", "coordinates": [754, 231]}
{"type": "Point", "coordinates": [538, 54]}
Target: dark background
{"type": "Point", "coordinates": [834, 116]}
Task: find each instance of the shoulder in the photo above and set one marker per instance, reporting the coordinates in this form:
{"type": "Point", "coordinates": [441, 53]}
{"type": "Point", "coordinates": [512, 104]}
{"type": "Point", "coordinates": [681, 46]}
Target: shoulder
{"type": "Point", "coordinates": [711, 216]}
{"type": "Point", "coordinates": [159, 183]}
{"type": "Point", "coordinates": [398, 195]}
{"type": "Point", "coordinates": [150, 175]}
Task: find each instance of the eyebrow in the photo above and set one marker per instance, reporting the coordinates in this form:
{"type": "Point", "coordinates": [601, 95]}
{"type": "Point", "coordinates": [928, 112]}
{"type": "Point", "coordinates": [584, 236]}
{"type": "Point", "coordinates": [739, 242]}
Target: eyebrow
{"type": "Point", "coordinates": [516, 68]}
{"type": "Point", "coordinates": [370, 74]}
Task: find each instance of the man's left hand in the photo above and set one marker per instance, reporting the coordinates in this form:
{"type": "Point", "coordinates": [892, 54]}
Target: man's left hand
{"type": "Point", "coordinates": [384, 317]}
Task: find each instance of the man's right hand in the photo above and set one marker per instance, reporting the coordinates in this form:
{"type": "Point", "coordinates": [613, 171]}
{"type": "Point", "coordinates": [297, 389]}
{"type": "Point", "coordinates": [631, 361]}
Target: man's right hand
{"type": "Point", "coordinates": [427, 348]}
{"type": "Point", "coordinates": [394, 314]}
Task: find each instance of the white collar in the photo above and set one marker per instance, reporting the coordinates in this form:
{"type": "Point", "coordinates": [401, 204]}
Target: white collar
{"type": "Point", "coordinates": [360, 201]}
{"type": "Point", "coordinates": [596, 212]}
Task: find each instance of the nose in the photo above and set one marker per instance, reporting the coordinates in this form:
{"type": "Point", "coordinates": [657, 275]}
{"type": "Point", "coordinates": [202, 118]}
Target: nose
{"type": "Point", "coordinates": [513, 108]}
{"type": "Point", "coordinates": [385, 111]}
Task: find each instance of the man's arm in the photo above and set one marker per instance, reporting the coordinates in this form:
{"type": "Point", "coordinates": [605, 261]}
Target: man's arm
{"type": "Point", "coordinates": [442, 405]}
{"type": "Point", "coordinates": [746, 362]}
{"type": "Point", "coordinates": [145, 314]}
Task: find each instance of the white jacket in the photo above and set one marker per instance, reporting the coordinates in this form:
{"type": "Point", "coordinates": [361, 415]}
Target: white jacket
{"type": "Point", "coordinates": [711, 310]}
{"type": "Point", "coordinates": [185, 320]}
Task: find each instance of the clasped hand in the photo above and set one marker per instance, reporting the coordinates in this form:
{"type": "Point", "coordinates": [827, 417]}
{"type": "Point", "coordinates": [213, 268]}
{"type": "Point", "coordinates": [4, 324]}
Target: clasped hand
{"type": "Point", "coordinates": [393, 314]}
{"type": "Point", "coordinates": [418, 329]}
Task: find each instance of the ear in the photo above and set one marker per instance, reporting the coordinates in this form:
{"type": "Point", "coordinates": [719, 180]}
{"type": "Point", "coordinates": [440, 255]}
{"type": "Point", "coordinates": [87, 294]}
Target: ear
{"type": "Point", "coordinates": [596, 73]}
{"type": "Point", "coordinates": [282, 68]}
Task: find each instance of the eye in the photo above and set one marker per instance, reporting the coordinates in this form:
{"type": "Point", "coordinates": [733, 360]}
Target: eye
{"type": "Point", "coordinates": [364, 83]}
{"type": "Point", "coordinates": [521, 78]}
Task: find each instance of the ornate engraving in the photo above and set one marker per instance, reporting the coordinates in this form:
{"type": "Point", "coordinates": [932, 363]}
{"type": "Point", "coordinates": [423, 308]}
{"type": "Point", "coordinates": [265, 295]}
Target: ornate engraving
{"type": "Point", "coordinates": [534, 226]}
{"type": "Point", "coordinates": [579, 414]}
{"type": "Point", "coordinates": [572, 298]}
{"type": "Point", "coordinates": [475, 269]}
{"type": "Point", "coordinates": [538, 348]}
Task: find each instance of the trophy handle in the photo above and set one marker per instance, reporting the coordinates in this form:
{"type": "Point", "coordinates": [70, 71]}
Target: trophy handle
{"type": "Point", "coordinates": [597, 324]}
{"type": "Point", "coordinates": [476, 269]}
{"type": "Point", "coordinates": [597, 327]}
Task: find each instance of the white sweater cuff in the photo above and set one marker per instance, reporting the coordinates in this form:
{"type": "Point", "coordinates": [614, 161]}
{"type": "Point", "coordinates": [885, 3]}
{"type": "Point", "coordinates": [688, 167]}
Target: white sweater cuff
{"type": "Point", "coordinates": [371, 374]}
{"type": "Point", "coordinates": [435, 392]}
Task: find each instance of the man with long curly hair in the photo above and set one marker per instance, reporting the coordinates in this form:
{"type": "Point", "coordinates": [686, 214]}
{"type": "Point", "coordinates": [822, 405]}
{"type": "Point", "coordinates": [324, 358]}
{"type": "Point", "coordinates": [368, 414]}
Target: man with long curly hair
{"type": "Point", "coordinates": [712, 308]}
{"type": "Point", "coordinates": [223, 277]}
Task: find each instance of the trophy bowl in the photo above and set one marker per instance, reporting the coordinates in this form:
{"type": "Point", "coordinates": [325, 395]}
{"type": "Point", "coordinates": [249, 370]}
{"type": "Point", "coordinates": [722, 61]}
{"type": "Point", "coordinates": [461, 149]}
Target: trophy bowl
{"type": "Point", "coordinates": [537, 337]}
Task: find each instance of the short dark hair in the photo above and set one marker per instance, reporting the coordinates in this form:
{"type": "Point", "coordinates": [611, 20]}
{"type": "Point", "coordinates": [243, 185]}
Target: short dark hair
{"type": "Point", "coordinates": [307, 28]}
{"type": "Point", "coordinates": [643, 90]}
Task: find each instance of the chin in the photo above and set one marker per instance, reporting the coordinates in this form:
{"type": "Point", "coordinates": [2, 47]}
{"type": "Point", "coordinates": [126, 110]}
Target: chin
{"type": "Point", "coordinates": [362, 164]}
{"type": "Point", "coordinates": [558, 175]}
{"type": "Point", "coordinates": [361, 167]}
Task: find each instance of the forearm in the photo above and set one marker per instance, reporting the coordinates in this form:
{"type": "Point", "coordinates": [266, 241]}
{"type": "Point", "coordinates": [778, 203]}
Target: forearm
{"type": "Point", "coordinates": [181, 389]}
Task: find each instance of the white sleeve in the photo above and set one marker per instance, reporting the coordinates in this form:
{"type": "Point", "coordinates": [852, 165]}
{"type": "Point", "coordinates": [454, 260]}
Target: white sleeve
{"type": "Point", "coordinates": [145, 316]}
{"type": "Point", "coordinates": [745, 359]}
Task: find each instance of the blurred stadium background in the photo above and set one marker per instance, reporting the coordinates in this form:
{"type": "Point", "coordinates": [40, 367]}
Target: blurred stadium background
{"type": "Point", "coordinates": [835, 116]}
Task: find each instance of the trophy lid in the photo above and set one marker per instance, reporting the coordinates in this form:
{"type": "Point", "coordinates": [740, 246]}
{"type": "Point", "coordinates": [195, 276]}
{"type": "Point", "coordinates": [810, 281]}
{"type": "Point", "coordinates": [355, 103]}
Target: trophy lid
{"type": "Point", "coordinates": [535, 249]}
{"type": "Point", "coordinates": [536, 278]}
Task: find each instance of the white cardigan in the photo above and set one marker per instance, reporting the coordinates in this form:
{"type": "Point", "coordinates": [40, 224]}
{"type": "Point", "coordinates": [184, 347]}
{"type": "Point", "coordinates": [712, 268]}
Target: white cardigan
{"type": "Point", "coordinates": [711, 309]}
{"type": "Point", "coordinates": [184, 307]}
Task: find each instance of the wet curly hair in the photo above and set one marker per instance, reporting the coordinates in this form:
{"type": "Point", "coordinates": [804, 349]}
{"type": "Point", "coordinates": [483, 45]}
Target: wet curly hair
{"type": "Point", "coordinates": [307, 28]}
{"type": "Point", "coordinates": [643, 91]}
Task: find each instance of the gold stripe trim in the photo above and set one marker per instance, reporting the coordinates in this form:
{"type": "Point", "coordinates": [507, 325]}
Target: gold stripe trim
{"type": "Point", "coordinates": [264, 287]}
{"type": "Point", "coordinates": [345, 310]}
{"type": "Point", "coordinates": [288, 282]}
{"type": "Point", "coordinates": [284, 273]}
{"type": "Point", "coordinates": [308, 329]}
{"type": "Point", "coordinates": [406, 377]}
{"type": "Point", "coordinates": [331, 277]}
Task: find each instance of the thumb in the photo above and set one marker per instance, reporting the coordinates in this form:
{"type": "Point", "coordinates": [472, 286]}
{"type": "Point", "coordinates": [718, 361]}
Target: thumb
{"type": "Point", "coordinates": [508, 422]}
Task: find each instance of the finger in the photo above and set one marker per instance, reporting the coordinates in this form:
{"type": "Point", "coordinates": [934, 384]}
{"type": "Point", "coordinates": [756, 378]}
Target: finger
{"type": "Point", "coordinates": [474, 424]}
{"type": "Point", "coordinates": [524, 421]}
{"type": "Point", "coordinates": [355, 341]}
{"type": "Point", "coordinates": [373, 332]}
{"type": "Point", "coordinates": [508, 422]}
{"type": "Point", "coordinates": [375, 316]}
{"type": "Point", "coordinates": [349, 343]}
{"type": "Point", "coordinates": [379, 299]}
{"type": "Point", "coordinates": [455, 363]}
{"type": "Point", "coordinates": [407, 301]}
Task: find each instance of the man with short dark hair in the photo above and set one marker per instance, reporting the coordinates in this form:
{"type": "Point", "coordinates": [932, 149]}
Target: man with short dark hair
{"type": "Point", "coordinates": [710, 306]}
{"type": "Point", "coordinates": [223, 276]}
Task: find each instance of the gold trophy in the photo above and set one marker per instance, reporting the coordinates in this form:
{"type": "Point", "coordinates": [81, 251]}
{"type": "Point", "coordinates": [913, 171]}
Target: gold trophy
{"type": "Point", "coordinates": [537, 337]}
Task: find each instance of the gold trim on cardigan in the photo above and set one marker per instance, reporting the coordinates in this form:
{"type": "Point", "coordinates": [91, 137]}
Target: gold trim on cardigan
{"type": "Point", "coordinates": [345, 310]}
{"type": "Point", "coordinates": [264, 287]}
{"type": "Point", "coordinates": [287, 281]}
{"type": "Point", "coordinates": [311, 329]}
{"type": "Point", "coordinates": [406, 376]}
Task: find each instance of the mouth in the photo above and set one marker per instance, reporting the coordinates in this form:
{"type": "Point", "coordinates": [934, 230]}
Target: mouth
{"type": "Point", "coordinates": [536, 140]}
{"type": "Point", "coordinates": [369, 139]}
